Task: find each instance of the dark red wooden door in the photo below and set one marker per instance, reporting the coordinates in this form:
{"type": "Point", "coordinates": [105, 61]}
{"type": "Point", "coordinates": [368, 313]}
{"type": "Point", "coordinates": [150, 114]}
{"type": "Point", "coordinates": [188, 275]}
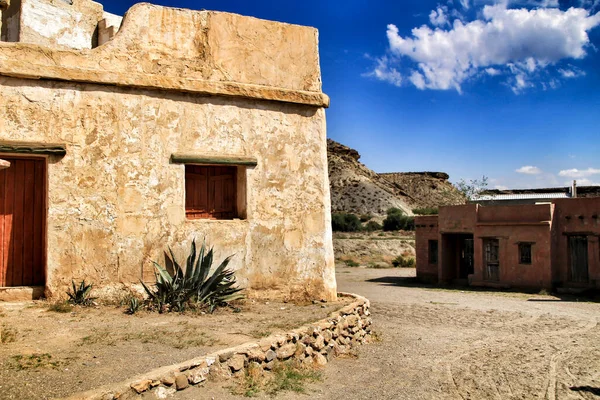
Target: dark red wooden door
{"type": "Point", "coordinates": [22, 222]}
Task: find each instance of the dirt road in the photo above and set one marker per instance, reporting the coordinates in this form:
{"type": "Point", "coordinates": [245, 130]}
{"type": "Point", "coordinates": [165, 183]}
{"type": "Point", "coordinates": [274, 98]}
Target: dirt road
{"type": "Point", "coordinates": [454, 344]}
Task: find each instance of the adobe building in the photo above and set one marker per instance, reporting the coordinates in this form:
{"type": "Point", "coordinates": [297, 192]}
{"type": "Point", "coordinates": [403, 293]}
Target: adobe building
{"type": "Point", "coordinates": [553, 245]}
{"type": "Point", "coordinates": [128, 136]}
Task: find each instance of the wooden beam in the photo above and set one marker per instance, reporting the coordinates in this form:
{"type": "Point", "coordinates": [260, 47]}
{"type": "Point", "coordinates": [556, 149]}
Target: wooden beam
{"type": "Point", "coordinates": [180, 158]}
{"type": "Point", "coordinates": [33, 148]}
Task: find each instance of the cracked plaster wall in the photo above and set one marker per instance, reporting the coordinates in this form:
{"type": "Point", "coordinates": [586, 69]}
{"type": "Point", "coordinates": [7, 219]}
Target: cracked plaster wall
{"type": "Point", "coordinates": [115, 201]}
{"type": "Point", "coordinates": [178, 81]}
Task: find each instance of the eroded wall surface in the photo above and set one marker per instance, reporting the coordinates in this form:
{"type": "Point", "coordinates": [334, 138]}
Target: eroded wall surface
{"type": "Point", "coordinates": [186, 82]}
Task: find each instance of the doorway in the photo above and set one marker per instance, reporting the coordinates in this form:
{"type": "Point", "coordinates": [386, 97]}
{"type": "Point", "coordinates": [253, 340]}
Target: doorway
{"type": "Point", "coordinates": [578, 258]}
{"type": "Point", "coordinates": [457, 256]}
{"type": "Point", "coordinates": [23, 222]}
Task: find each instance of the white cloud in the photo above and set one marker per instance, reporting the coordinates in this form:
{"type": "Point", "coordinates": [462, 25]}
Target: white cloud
{"type": "Point", "coordinates": [577, 173]}
{"type": "Point", "coordinates": [585, 182]}
{"type": "Point", "coordinates": [529, 170]}
{"type": "Point", "coordinates": [517, 42]}
{"type": "Point", "coordinates": [493, 71]}
{"type": "Point", "coordinates": [439, 16]}
{"type": "Point", "coordinates": [465, 4]}
{"type": "Point", "coordinates": [385, 73]}
{"type": "Point", "coordinates": [571, 72]}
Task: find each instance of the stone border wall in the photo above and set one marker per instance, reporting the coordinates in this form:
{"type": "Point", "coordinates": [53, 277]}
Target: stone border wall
{"type": "Point", "coordinates": [315, 343]}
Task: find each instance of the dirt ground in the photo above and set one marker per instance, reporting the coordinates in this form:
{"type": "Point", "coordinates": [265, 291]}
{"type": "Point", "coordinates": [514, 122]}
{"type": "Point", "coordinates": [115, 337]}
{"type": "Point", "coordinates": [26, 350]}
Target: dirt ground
{"type": "Point", "coordinates": [459, 344]}
{"type": "Point", "coordinates": [46, 354]}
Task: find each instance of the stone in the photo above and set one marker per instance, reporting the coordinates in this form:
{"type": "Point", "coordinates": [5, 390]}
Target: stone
{"type": "Point", "coordinates": [309, 351]}
{"type": "Point", "coordinates": [181, 382]}
{"type": "Point", "coordinates": [352, 320]}
{"type": "Point", "coordinates": [318, 343]}
{"type": "Point", "coordinates": [155, 383]}
{"type": "Point", "coordinates": [269, 366]}
{"type": "Point", "coordinates": [286, 351]}
{"type": "Point", "coordinates": [270, 355]}
{"type": "Point", "coordinates": [197, 375]}
{"type": "Point", "coordinates": [255, 354]}
{"type": "Point", "coordinates": [265, 344]}
{"type": "Point", "coordinates": [327, 336]}
{"type": "Point", "coordinates": [168, 380]}
{"type": "Point", "coordinates": [163, 392]}
{"type": "Point", "coordinates": [300, 349]}
{"type": "Point", "coordinates": [237, 362]}
{"type": "Point", "coordinates": [141, 386]}
{"type": "Point", "coordinates": [319, 360]}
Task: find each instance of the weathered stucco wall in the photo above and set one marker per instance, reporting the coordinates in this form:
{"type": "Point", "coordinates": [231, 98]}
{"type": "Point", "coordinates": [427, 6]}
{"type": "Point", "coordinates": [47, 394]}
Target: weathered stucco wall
{"type": "Point", "coordinates": [189, 82]}
{"type": "Point", "coordinates": [56, 23]}
{"type": "Point", "coordinates": [116, 201]}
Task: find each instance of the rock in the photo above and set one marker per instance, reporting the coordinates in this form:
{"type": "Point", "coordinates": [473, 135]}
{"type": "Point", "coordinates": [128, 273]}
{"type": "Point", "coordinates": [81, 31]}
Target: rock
{"type": "Point", "coordinates": [197, 375]}
{"type": "Point", "coordinates": [265, 344]}
{"type": "Point", "coordinates": [270, 355]}
{"type": "Point", "coordinates": [181, 382]}
{"type": "Point", "coordinates": [255, 354]}
{"type": "Point", "coordinates": [352, 320]}
{"type": "Point", "coordinates": [141, 386]}
{"type": "Point", "coordinates": [319, 360]}
{"type": "Point", "coordinates": [163, 393]}
{"type": "Point", "coordinates": [168, 380]}
{"type": "Point", "coordinates": [327, 335]}
{"type": "Point", "coordinates": [286, 351]}
{"type": "Point", "coordinates": [224, 357]}
{"type": "Point", "coordinates": [269, 366]}
{"type": "Point", "coordinates": [318, 343]}
{"type": "Point", "coordinates": [309, 351]}
{"type": "Point", "coordinates": [300, 349]}
{"type": "Point", "coordinates": [155, 383]}
{"type": "Point", "coordinates": [237, 362]}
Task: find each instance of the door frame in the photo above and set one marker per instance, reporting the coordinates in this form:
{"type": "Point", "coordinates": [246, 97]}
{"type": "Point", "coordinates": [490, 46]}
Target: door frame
{"type": "Point", "coordinates": [44, 158]}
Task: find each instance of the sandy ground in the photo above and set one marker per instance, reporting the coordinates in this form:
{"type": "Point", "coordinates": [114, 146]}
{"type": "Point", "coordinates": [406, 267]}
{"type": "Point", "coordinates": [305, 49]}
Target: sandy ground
{"type": "Point", "coordinates": [459, 344]}
{"type": "Point", "coordinates": [45, 354]}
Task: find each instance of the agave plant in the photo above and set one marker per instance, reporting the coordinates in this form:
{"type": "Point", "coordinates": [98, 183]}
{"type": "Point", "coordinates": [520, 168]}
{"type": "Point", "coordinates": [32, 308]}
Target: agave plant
{"type": "Point", "coordinates": [193, 284]}
{"type": "Point", "coordinates": [80, 295]}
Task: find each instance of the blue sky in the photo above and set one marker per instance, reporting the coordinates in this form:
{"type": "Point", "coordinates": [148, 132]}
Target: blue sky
{"type": "Point", "coordinates": [507, 89]}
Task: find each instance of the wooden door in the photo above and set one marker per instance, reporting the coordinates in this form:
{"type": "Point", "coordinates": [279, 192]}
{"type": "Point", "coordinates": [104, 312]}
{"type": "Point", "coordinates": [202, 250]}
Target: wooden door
{"type": "Point", "coordinates": [578, 257]}
{"type": "Point", "coordinates": [22, 222]}
{"type": "Point", "coordinates": [492, 259]}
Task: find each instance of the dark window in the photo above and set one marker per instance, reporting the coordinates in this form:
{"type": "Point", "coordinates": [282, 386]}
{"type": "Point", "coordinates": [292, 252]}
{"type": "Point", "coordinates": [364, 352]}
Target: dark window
{"type": "Point", "coordinates": [433, 252]}
{"type": "Point", "coordinates": [525, 253]}
{"type": "Point", "coordinates": [210, 192]}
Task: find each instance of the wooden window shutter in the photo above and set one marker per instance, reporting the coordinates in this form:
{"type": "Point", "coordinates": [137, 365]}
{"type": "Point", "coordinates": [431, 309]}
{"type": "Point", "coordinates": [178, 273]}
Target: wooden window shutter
{"type": "Point", "coordinates": [211, 192]}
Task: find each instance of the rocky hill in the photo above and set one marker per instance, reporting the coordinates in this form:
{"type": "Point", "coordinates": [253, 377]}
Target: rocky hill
{"type": "Point", "coordinates": [425, 189]}
{"type": "Point", "coordinates": [359, 190]}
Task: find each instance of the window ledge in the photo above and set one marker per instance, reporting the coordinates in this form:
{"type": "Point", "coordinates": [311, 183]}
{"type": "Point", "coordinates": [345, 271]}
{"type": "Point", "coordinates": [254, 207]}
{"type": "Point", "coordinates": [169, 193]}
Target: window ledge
{"type": "Point", "coordinates": [183, 158]}
{"type": "Point", "coordinates": [33, 148]}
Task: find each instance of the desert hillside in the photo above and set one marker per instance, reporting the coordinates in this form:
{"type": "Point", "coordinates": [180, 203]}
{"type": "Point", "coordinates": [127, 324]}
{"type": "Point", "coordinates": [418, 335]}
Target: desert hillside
{"type": "Point", "coordinates": [357, 189]}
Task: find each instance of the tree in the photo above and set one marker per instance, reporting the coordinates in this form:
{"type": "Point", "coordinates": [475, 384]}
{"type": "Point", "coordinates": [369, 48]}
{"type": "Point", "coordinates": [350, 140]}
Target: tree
{"type": "Point", "coordinates": [473, 188]}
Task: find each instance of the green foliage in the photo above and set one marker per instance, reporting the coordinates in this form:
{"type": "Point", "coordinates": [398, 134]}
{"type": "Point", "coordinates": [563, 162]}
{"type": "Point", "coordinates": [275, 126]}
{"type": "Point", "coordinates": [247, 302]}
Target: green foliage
{"type": "Point", "coordinates": [394, 210]}
{"type": "Point", "coordinates": [345, 222]}
{"type": "Point", "coordinates": [473, 188]}
{"type": "Point", "coordinates": [372, 226]}
{"type": "Point", "coordinates": [366, 217]}
{"type": "Point", "coordinates": [61, 307]}
{"type": "Point", "coordinates": [351, 263]}
{"type": "Point", "coordinates": [403, 262]}
{"type": "Point", "coordinates": [133, 307]}
{"type": "Point", "coordinates": [80, 295]}
{"type": "Point", "coordinates": [426, 211]}
{"type": "Point", "coordinates": [396, 222]}
{"type": "Point", "coordinates": [193, 285]}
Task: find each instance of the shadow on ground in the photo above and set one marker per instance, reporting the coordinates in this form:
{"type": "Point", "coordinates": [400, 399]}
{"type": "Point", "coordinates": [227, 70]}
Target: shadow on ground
{"type": "Point", "coordinates": [588, 296]}
{"type": "Point", "coordinates": [589, 389]}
